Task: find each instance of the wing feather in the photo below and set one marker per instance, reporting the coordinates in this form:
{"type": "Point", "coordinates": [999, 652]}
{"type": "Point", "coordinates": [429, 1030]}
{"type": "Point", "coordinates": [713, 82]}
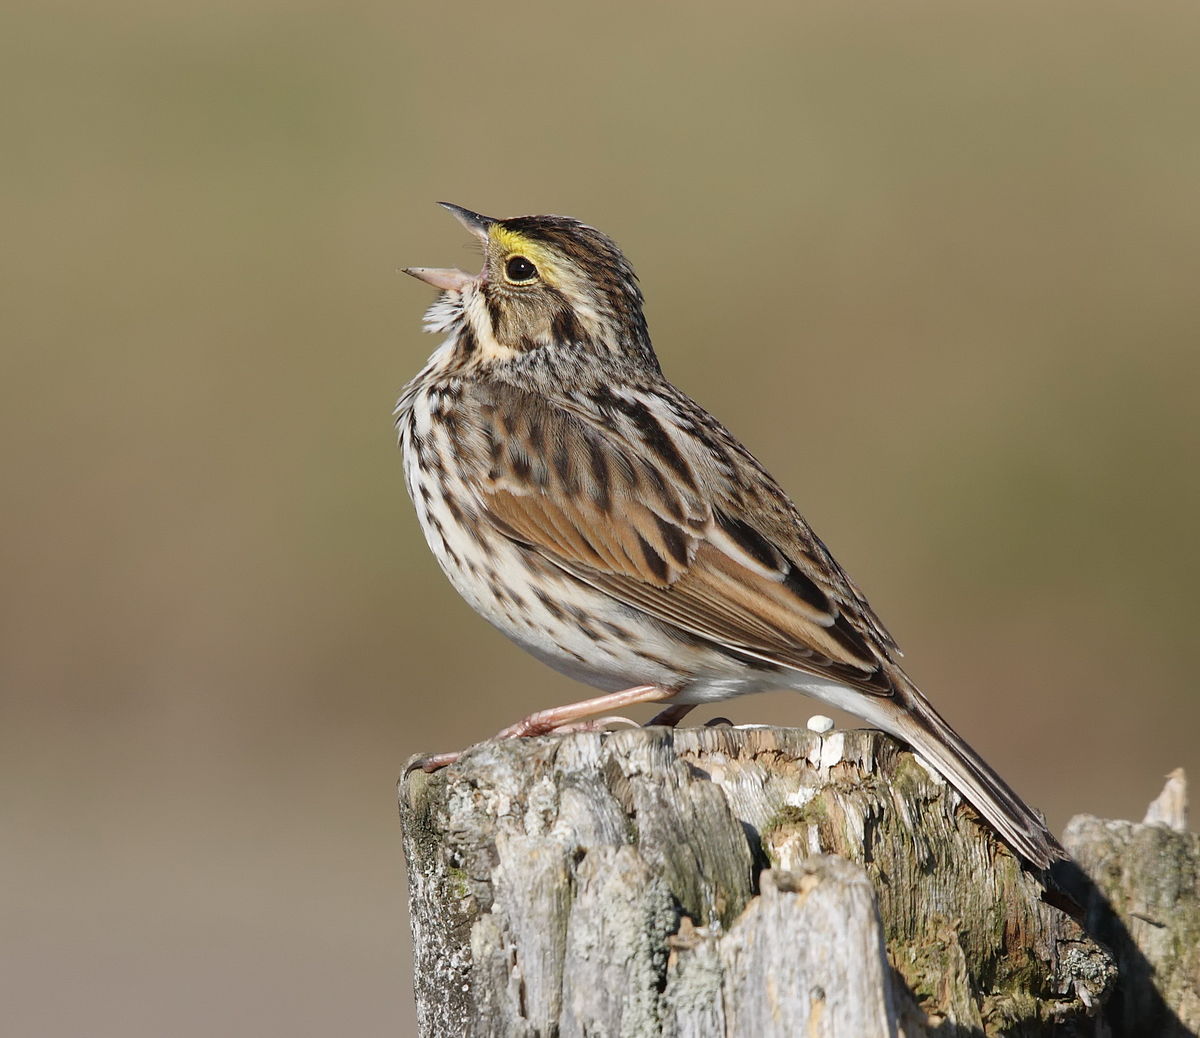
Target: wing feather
{"type": "Point", "coordinates": [691, 553]}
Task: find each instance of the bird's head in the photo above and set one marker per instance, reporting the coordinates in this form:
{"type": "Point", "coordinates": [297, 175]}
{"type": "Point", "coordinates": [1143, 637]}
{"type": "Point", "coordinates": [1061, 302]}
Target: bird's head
{"type": "Point", "coordinates": [548, 282]}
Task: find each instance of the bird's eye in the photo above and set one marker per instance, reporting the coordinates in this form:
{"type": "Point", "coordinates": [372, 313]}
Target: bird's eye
{"type": "Point", "coordinates": [518, 268]}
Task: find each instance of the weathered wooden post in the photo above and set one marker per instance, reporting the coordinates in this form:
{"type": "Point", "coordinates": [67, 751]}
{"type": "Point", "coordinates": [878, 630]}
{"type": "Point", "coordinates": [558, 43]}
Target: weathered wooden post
{"type": "Point", "coordinates": [725, 881]}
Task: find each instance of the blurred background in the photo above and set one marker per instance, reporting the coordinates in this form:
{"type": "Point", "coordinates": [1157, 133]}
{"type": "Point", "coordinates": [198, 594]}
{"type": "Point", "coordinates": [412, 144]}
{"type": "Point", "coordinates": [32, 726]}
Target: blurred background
{"type": "Point", "coordinates": [936, 264]}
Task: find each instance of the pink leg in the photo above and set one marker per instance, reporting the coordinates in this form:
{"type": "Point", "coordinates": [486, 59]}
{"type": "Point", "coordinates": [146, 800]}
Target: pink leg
{"type": "Point", "coordinates": [547, 720]}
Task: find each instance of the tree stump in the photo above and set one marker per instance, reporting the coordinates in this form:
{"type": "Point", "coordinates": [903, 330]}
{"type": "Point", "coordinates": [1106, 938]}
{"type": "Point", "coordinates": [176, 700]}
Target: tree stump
{"type": "Point", "coordinates": [744, 881]}
{"type": "Point", "coordinates": [1143, 902]}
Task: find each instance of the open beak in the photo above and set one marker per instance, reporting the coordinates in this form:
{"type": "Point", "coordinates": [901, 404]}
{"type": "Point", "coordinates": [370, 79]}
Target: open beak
{"type": "Point", "coordinates": [452, 279]}
{"type": "Point", "coordinates": [473, 222]}
{"type": "Point", "coordinates": [448, 279]}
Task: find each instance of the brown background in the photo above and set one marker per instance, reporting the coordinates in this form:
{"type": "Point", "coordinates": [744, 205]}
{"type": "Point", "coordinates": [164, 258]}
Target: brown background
{"type": "Point", "coordinates": [935, 263]}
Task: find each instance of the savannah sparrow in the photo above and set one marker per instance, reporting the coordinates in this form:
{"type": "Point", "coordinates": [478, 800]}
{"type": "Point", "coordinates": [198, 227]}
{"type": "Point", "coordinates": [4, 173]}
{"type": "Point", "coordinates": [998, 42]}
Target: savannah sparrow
{"type": "Point", "coordinates": [609, 525]}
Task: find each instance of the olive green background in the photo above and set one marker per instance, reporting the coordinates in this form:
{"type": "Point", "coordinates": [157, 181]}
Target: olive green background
{"type": "Point", "coordinates": [936, 263]}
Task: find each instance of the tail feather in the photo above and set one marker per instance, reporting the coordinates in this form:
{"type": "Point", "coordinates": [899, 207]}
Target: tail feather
{"type": "Point", "coordinates": [919, 724]}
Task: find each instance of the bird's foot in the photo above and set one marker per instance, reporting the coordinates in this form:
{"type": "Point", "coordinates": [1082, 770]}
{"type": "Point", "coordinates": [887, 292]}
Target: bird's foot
{"type": "Point", "coordinates": [433, 762]}
{"type": "Point", "coordinates": [672, 715]}
{"type": "Point", "coordinates": [574, 717]}
{"type": "Point", "coordinates": [596, 724]}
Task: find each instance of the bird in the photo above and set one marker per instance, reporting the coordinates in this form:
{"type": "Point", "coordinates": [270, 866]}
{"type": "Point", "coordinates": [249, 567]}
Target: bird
{"type": "Point", "coordinates": [609, 525]}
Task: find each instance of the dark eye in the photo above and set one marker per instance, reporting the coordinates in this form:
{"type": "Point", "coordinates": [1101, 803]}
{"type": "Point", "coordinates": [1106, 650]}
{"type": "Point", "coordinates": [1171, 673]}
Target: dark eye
{"type": "Point", "coordinates": [518, 268]}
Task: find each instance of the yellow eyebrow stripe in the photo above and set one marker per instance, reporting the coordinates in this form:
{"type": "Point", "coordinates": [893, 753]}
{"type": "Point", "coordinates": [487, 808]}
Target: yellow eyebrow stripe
{"type": "Point", "coordinates": [509, 243]}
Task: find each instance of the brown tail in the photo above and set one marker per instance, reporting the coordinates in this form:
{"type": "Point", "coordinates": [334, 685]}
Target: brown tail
{"type": "Point", "coordinates": [919, 724]}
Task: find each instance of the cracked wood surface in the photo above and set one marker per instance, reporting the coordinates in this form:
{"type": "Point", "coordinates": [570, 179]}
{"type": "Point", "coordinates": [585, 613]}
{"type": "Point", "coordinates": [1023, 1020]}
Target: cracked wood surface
{"type": "Point", "coordinates": [718, 881]}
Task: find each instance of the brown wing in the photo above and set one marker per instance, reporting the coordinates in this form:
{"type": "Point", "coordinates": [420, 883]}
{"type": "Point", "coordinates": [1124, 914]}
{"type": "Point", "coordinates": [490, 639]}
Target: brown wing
{"type": "Point", "coordinates": [668, 531]}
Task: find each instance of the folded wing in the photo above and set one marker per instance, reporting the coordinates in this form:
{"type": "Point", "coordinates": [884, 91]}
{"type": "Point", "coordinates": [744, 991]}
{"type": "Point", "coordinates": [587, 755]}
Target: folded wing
{"type": "Point", "coordinates": [670, 536]}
